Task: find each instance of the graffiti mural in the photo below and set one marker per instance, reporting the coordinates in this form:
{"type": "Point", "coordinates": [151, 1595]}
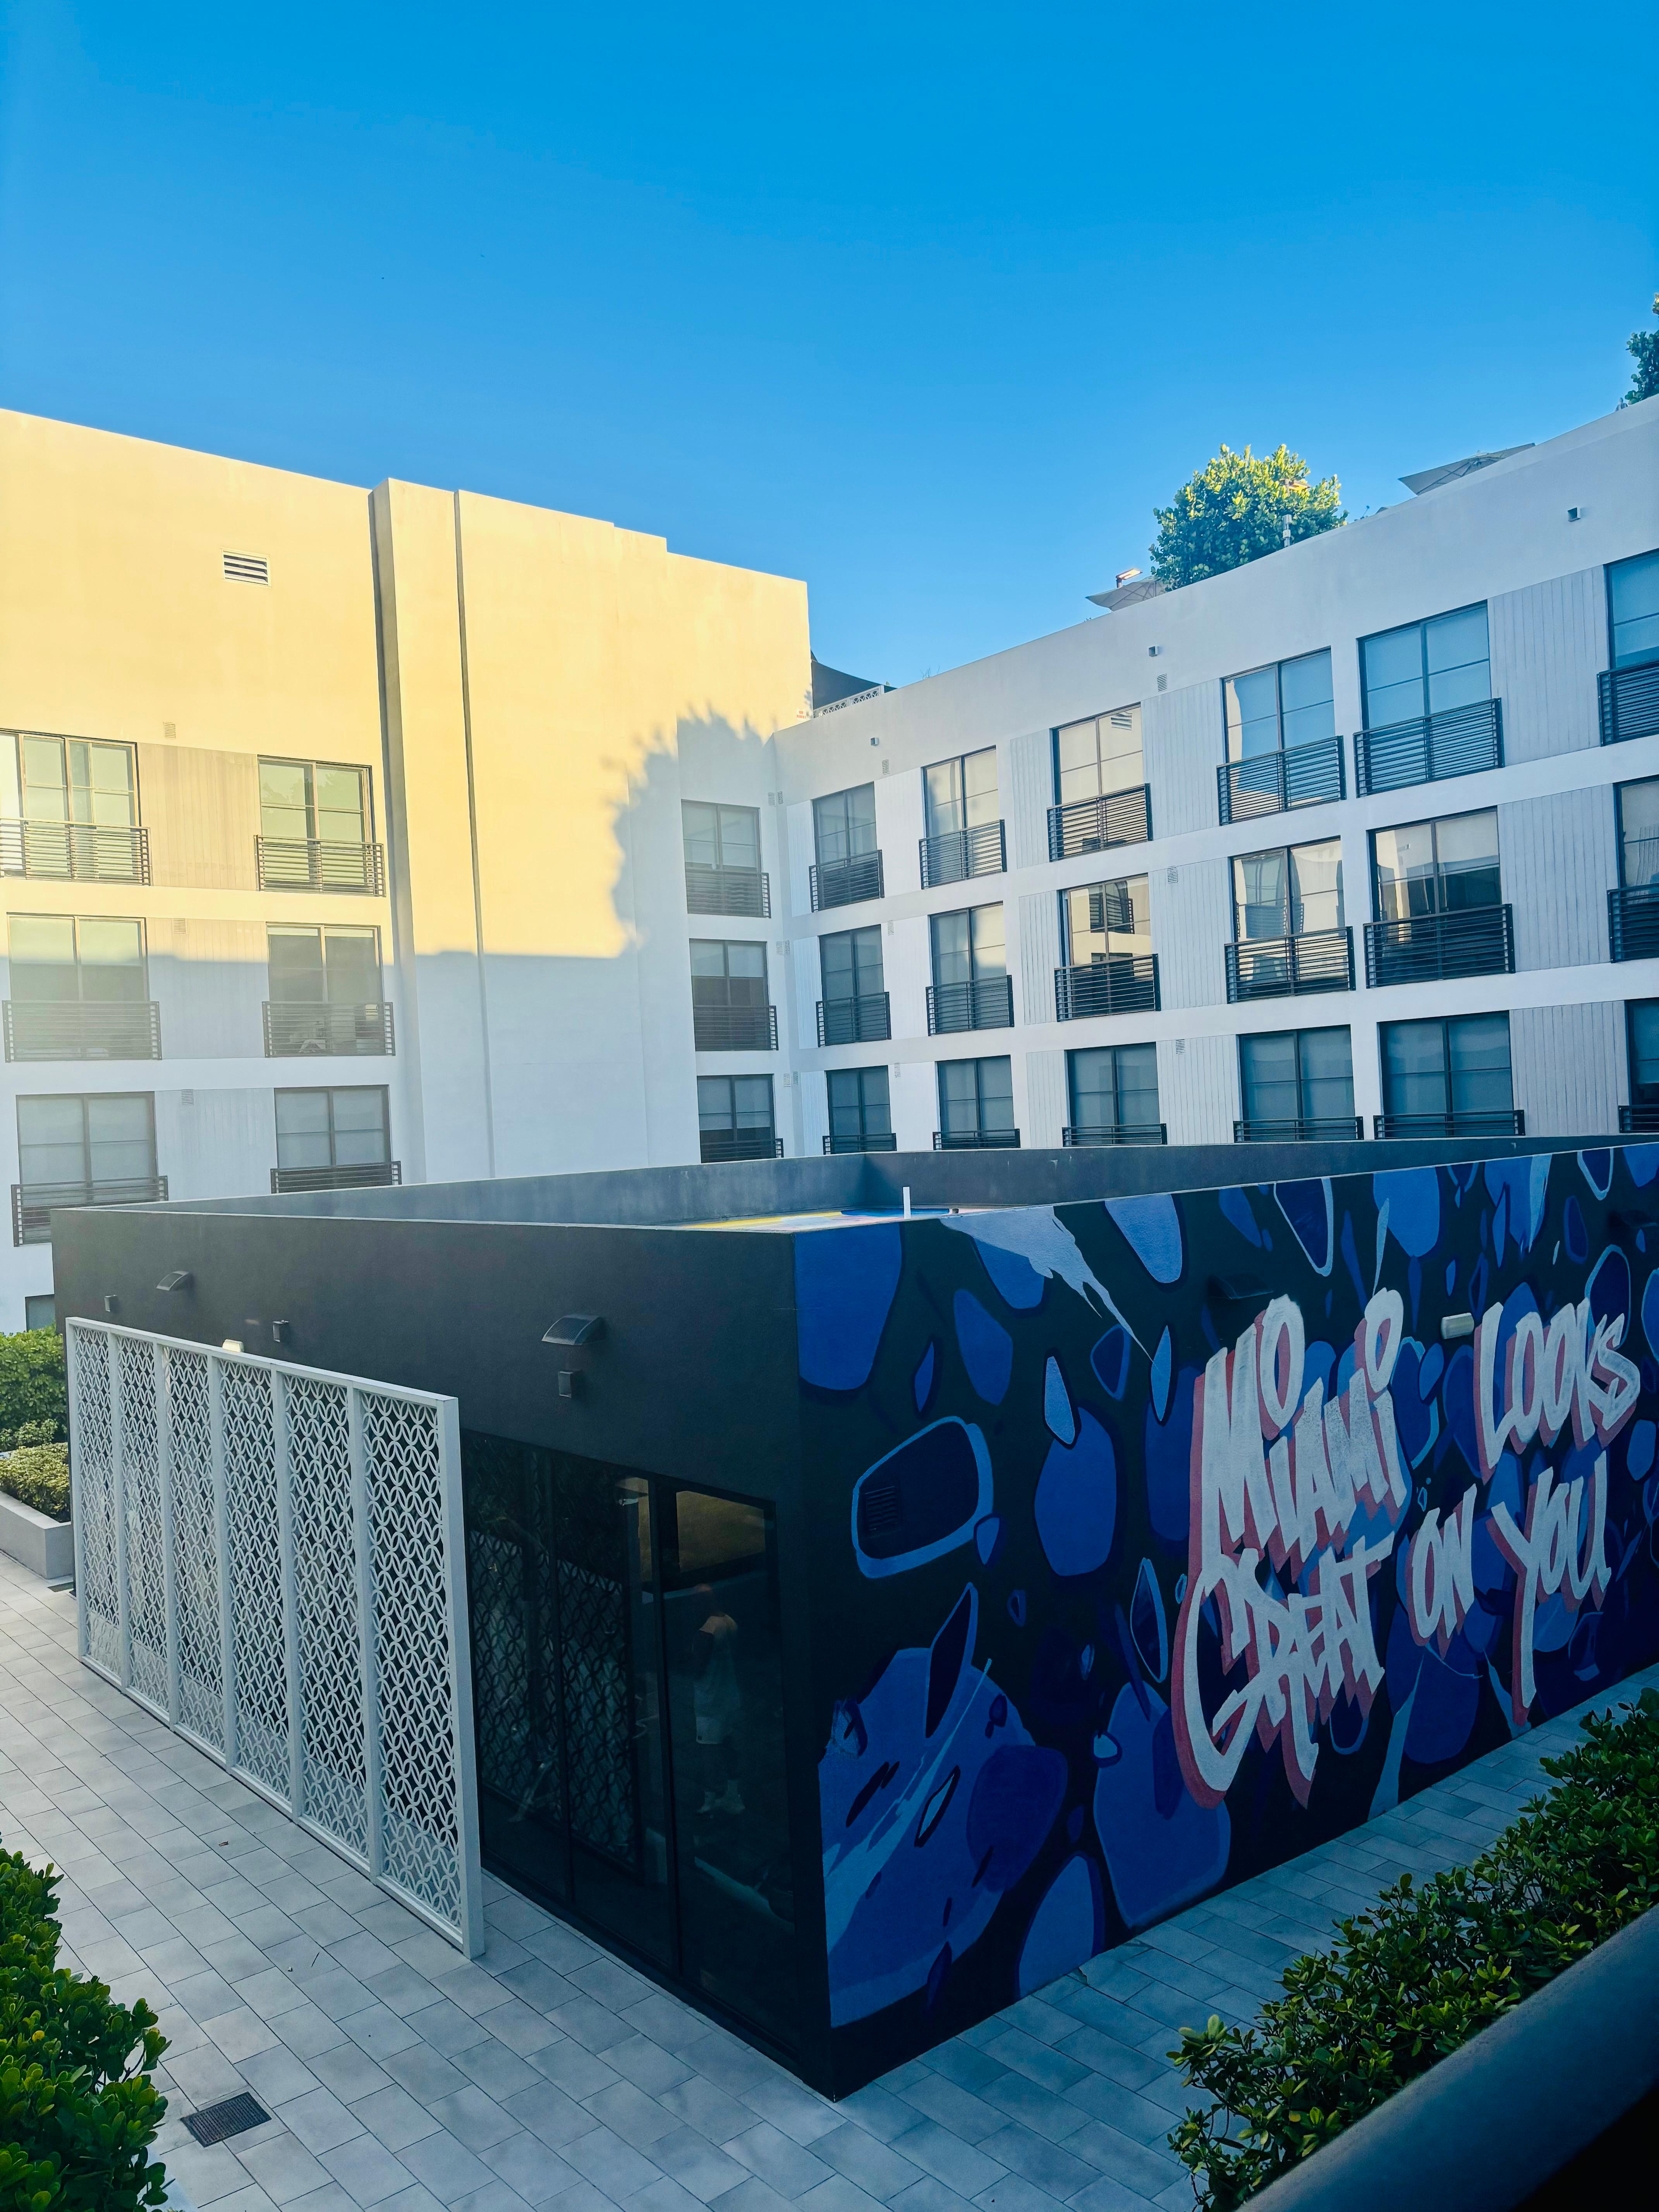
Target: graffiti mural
{"type": "Point", "coordinates": [1159, 1538]}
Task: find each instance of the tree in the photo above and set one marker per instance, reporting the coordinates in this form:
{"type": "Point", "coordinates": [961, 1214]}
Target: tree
{"type": "Point", "coordinates": [1235, 509]}
{"type": "Point", "coordinates": [1644, 349]}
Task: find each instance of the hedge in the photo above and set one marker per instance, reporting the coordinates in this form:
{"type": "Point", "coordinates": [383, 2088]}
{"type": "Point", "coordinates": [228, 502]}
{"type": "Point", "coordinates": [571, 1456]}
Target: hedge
{"type": "Point", "coordinates": [1429, 1965]}
{"type": "Point", "coordinates": [33, 1390]}
{"type": "Point", "coordinates": [78, 2111]}
{"type": "Point", "coordinates": [39, 1475]}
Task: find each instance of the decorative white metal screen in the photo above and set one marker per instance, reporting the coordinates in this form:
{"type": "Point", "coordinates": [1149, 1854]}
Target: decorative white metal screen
{"type": "Point", "coordinates": [270, 1559]}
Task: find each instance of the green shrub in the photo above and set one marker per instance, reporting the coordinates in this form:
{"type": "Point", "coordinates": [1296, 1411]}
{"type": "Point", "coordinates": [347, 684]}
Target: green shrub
{"type": "Point", "coordinates": [41, 1477]}
{"type": "Point", "coordinates": [1429, 1966]}
{"type": "Point", "coordinates": [33, 1390]}
{"type": "Point", "coordinates": [78, 2111]}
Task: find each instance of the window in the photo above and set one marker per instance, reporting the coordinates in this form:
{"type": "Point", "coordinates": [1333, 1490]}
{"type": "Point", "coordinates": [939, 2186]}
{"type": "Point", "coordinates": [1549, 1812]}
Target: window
{"type": "Point", "coordinates": [1453, 1074]}
{"type": "Point", "coordinates": [1633, 610]}
{"type": "Point", "coordinates": [106, 1142]}
{"type": "Point", "coordinates": [40, 1312]}
{"type": "Point", "coordinates": [860, 1114]}
{"type": "Point", "coordinates": [1107, 919]}
{"type": "Point", "coordinates": [969, 947]}
{"type": "Point", "coordinates": [80, 780]}
{"type": "Point", "coordinates": [62, 961]}
{"type": "Point", "coordinates": [1294, 892]}
{"type": "Point", "coordinates": [1280, 707]}
{"type": "Point", "coordinates": [961, 795]}
{"type": "Point", "coordinates": [315, 801]}
{"type": "Point", "coordinates": [734, 1117]}
{"type": "Point", "coordinates": [1112, 1089]}
{"type": "Point", "coordinates": [1440, 867]}
{"type": "Point", "coordinates": [1637, 806]}
{"type": "Point", "coordinates": [852, 964]}
{"type": "Point", "coordinates": [324, 966]}
{"type": "Point", "coordinates": [1641, 1031]}
{"type": "Point", "coordinates": [1427, 668]}
{"type": "Point", "coordinates": [721, 837]}
{"type": "Point", "coordinates": [1297, 1082]}
{"type": "Point", "coordinates": [844, 823]}
{"type": "Point", "coordinates": [729, 1011]}
{"type": "Point", "coordinates": [319, 1131]}
{"type": "Point", "coordinates": [1100, 756]}
{"type": "Point", "coordinates": [976, 1102]}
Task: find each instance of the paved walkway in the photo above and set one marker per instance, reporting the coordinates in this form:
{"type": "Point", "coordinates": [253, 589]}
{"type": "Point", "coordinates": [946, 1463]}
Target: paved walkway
{"type": "Point", "coordinates": [401, 2077]}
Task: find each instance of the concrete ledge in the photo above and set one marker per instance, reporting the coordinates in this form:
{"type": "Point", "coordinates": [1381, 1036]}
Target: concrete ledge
{"type": "Point", "coordinates": [44, 1546]}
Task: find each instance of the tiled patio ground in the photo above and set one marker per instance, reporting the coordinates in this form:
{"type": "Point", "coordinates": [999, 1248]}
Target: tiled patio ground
{"type": "Point", "coordinates": [401, 2077]}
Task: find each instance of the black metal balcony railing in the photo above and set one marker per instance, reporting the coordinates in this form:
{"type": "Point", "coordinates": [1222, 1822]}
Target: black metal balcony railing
{"type": "Point", "coordinates": [1500, 1122]}
{"type": "Point", "coordinates": [975, 1140]}
{"type": "Point", "coordinates": [867, 1020]}
{"type": "Point", "coordinates": [82, 1028]}
{"type": "Point", "coordinates": [1629, 702]}
{"type": "Point", "coordinates": [311, 864]}
{"type": "Point", "coordinates": [1121, 983]}
{"type": "Point", "coordinates": [845, 882]}
{"type": "Point", "coordinates": [1290, 967]}
{"type": "Point", "coordinates": [1092, 825]}
{"type": "Point", "coordinates": [734, 1029]}
{"type": "Point", "coordinates": [1637, 1119]}
{"type": "Point", "coordinates": [986, 1005]}
{"type": "Point", "coordinates": [304, 1032]}
{"type": "Point", "coordinates": [1458, 742]}
{"type": "Point", "coordinates": [74, 851]}
{"type": "Point", "coordinates": [717, 1145]}
{"type": "Point", "coordinates": [726, 890]}
{"type": "Point", "coordinates": [1428, 948]}
{"type": "Point", "coordinates": [874, 1141]}
{"type": "Point", "coordinates": [32, 1203]}
{"type": "Point", "coordinates": [1115, 1133]}
{"type": "Point", "coordinates": [368, 1175]}
{"type": "Point", "coordinates": [956, 855]}
{"type": "Point", "coordinates": [1328, 1128]}
{"type": "Point", "coordinates": [1633, 922]}
{"type": "Point", "coordinates": [1275, 783]}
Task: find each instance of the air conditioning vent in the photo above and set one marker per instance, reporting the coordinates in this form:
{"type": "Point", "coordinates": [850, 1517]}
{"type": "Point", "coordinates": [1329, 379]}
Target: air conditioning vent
{"type": "Point", "coordinates": [246, 569]}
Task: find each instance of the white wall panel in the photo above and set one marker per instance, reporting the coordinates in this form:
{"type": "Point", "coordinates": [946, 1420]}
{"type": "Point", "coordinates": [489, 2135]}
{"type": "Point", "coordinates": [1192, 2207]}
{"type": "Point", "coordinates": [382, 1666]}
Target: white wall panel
{"type": "Point", "coordinates": [907, 964]}
{"type": "Point", "coordinates": [1039, 957]}
{"type": "Point", "coordinates": [1045, 1099]}
{"type": "Point", "coordinates": [1198, 1089]}
{"type": "Point", "coordinates": [213, 1143]}
{"type": "Point", "coordinates": [1559, 860]}
{"type": "Point", "coordinates": [1182, 732]}
{"type": "Point", "coordinates": [799, 848]}
{"type": "Point", "coordinates": [1568, 1065]}
{"type": "Point", "coordinates": [1547, 643]}
{"type": "Point", "coordinates": [1028, 763]}
{"type": "Point", "coordinates": [898, 822]}
{"type": "Point", "coordinates": [1191, 921]}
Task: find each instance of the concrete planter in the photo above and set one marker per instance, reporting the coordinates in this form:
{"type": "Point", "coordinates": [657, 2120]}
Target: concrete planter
{"type": "Point", "coordinates": [46, 1547]}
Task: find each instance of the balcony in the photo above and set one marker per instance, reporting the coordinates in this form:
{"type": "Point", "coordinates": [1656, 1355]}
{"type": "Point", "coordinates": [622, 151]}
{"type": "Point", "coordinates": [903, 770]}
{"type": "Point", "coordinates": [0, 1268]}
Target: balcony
{"type": "Point", "coordinates": [1629, 702]}
{"type": "Point", "coordinates": [1460, 742]}
{"type": "Point", "coordinates": [874, 1143]}
{"type": "Point", "coordinates": [368, 1175]}
{"type": "Point", "coordinates": [1332, 1129]}
{"type": "Point", "coordinates": [717, 1145]}
{"type": "Point", "coordinates": [727, 890]}
{"type": "Point", "coordinates": [1121, 983]}
{"type": "Point", "coordinates": [82, 1028]}
{"type": "Point", "coordinates": [32, 1203]}
{"type": "Point", "coordinates": [1431, 948]}
{"type": "Point", "coordinates": [1276, 783]}
{"type": "Point", "coordinates": [1633, 923]}
{"type": "Point", "coordinates": [867, 1020]}
{"type": "Point", "coordinates": [734, 1029]}
{"type": "Point", "coordinates": [1115, 1133]}
{"type": "Point", "coordinates": [299, 1032]}
{"type": "Point", "coordinates": [74, 851]}
{"type": "Point", "coordinates": [845, 882]}
{"type": "Point", "coordinates": [1290, 967]}
{"type": "Point", "coordinates": [986, 1005]}
{"type": "Point", "coordinates": [956, 855]}
{"type": "Point", "coordinates": [307, 864]}
{"type": "Point", "coordinates": [976, 1141]}
{"type": "Point", "coordinates": [1638, 1121]}
{"type": "Point", "coordinates": [1092, 825]}
{"type": "Point", "coordinates": [1502, 1121]}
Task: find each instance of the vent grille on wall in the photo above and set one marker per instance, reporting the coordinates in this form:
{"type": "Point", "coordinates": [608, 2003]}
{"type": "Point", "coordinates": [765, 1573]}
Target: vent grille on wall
{"type": "Point", "coordinates": [247, 569]}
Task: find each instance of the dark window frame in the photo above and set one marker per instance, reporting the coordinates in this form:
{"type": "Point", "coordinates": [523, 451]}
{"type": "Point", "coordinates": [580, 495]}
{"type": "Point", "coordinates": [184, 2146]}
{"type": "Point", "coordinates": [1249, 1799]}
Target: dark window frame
{"type": "Point", "coordinates": [361, 770]}
{"type": "Point", "coordinates": [14, 963]}
{"type": "Point", "coordinates": [1649, 658]}
{"type": "Point", "coordinates": [331, 1091]}
{"type": "Point", "coordinates": [978, 1062]}
{"type": "Point", "coordinates": [1421, 625]}
{"type": "Point", "coordinates": [1433, 823]}
{"type": "Point", "coordinates": [834, 1075]}
{"type": "Point", "coordinates": [1248, 1037]}
{"type": "Point", "coordinates": [83, 1099]}
{"type": "Point", "coordinates": [828, 798]}
{"type": "Point", "coordinates": [1444, 1022]}
{"type": "Point", "coordinates": [1114, 1052]}
{"type": "Point", "coordinates": [721, 807]}
{"type": "Point", "coordinates": [1278, 668]}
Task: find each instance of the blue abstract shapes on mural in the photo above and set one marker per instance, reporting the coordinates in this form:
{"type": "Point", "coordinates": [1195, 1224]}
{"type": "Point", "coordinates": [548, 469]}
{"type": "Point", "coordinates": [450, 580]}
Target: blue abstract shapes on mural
{"type": "Point", "coordinates": [987, 1538]}
{"type": "Point", "coordinates": [988, 1350]}
{"type": "Point", "coordinates": [1060, 1696]}
{"type": "Point", "coordinates": [1017, 1282]}
{"type": "Point", "coordinates": [1160, 1376]}
{"type": "Point", "coordinates": [1445, 1692]}
{"type": "Point", "coordinates": [1608, 1289]}
{"type": "Point", "coordinates": [1068, 1927]}
{"type": "Point", "coordinates": [1451, 1277]}
{"type": "Point", "coordinates": [1651, 1312]}
{"type": "Point", "coordinates": [1234, 1208]}
{"type": "Point", "coordinates": [1597, 1168]}
{"type": "Point", "coordinates": [1525, 1184]}
{"type": "Point", "coordinates": [1076, 1501]}
{"type": "Point", "coordinates": [844, 1287]}
{"type": "Point", "coordinates": [923, 1382]}
{"type": "Point", "coordinates": [1110, 1361]}
{"type": "Point", "coordinates": [1639, 1453]}
{"type": "Point", "coordinates": [1167, 1456]}
{"type": "Point", "coordinates": [921, 1500]}
{"type": "Point", "coordinates": [1162, 1848]}
{"type": "Point", "coordinates": [1417, 1416]}
{"type": "Point", "coordinates": [945, 1656]}
{"type": "Point", "coordinates": [1574, 1235]}
{"type": "Point", "coordinates": [1412, 1198]}
{"type": "Point", "coordinates": [1058, 1418]}
{"type": "Point", "coordinates": [1150, 1227]}
{"type": "Point", "coordinates": [1017, 1608]}
{"type": "Point", "coordinates": [1020, 1788]}
{"type": "Point", "coordinates": [1642, 1163]}
{"type": "Point", "coordinates": [1306, 1207]}
{"type": "Point", "coordinates": [1148, 1625]}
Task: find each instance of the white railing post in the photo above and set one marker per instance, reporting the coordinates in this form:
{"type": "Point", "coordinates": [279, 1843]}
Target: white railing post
{"type": "Point", "coordinates": [119, 1505]}
{"type": "Point", "coordinates": [460, 1663]}
{"type": "Point", "coordinates": [296, 1744]}
{"type": "Point", "coordinates": [163, 1371]}
{"type": "Point", "coordinates": [73, 1354]}
{"type": "Point", "coordinates": [369, 1661]}
{"type": "Point", "coordinates": [222, 1549]}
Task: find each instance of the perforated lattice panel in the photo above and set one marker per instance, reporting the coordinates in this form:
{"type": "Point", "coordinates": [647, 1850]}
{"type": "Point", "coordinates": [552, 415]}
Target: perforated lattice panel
{"type": "Point", "coordinates": [345, 1703]}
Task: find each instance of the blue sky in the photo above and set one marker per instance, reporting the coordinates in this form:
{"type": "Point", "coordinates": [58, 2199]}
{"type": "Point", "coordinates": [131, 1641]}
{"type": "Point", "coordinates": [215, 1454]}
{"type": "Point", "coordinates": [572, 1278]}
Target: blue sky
{"type": "Point", "coordinates": [927, 305]}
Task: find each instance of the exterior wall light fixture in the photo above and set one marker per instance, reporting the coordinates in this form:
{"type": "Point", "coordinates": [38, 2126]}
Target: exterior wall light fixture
{"type": "Point", "coordinates": [575, 1329]}
{"type": "Point", "coordinates": [177, 1278]}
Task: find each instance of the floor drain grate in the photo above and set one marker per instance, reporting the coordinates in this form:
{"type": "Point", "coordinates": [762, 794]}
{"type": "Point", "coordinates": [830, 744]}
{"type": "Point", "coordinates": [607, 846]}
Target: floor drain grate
{"type": "Point", "coordinates": [231, 2117]}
